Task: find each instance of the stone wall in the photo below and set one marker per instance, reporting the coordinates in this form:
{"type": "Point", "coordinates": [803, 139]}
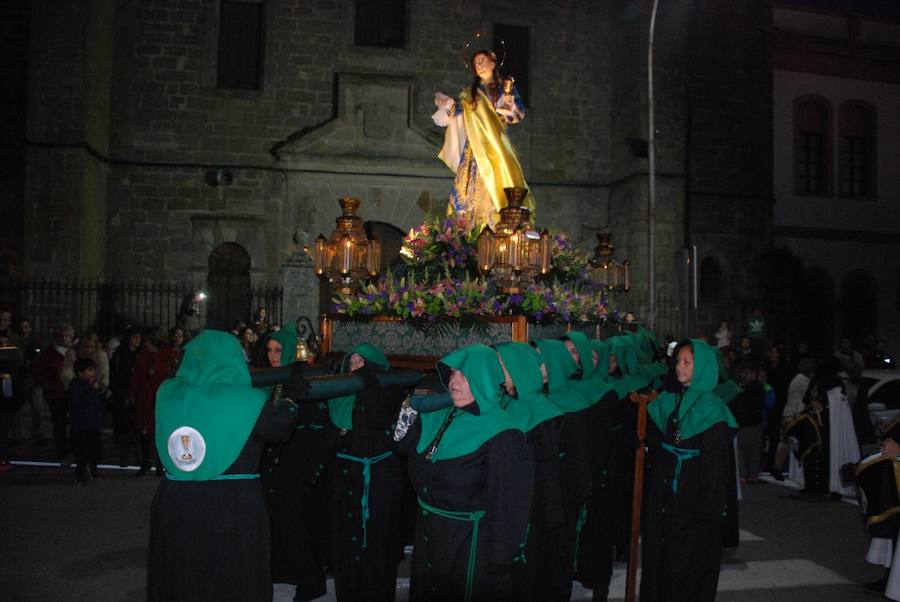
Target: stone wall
{"type": "Point", "coordinates": [333, 119]}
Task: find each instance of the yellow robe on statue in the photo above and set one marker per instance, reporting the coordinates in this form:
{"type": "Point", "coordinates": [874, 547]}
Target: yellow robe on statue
{"type": "Point", "coordinates": [479, 152]}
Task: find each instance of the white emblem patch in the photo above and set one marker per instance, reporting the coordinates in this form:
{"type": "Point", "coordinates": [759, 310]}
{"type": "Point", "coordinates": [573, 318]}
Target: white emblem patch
{"type": "Point", "coordinates": [187, 448]}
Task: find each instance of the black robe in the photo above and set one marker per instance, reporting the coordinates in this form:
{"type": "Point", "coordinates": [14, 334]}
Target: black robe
{"type": "Point", "coordinates": [298, 490]}
{"type": "Point", "coordinates": [365, 560]}
{"type": "Point", "coordinates": [607, 510]}
{"type": "Point", "coordinates": [496, 478]}
{"type": "Point", "coordinates": [541, 554]}
{"type": "Point", "coordinates": [682, 531]}
{"type": "Point", "coordinates": [209, 540]}
{"type": "Point", "coordinates": [576, 444]}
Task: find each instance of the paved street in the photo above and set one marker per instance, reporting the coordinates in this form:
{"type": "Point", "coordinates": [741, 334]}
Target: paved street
{"type": "Point", "coordinates": [62, 542]}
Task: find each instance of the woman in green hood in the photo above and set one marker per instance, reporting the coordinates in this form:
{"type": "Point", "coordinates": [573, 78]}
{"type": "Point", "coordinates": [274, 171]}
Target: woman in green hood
{"type": "Point", "coordinates": [297, 486]}
{"type": "Point", "coordinates": [687, 502]}
{"type": "Point", "coordinates": [209, 527]}
{"type": "Point", "coordinates": [473, 473]}
{"type": "Point", "coordinates": [609, 504]}
{"type": "Point", "coordinates": [368, 484]}
{"type": "Point", "coordinates": [577, 450]}
{"type": "Point", "coordinates": [541, 421]}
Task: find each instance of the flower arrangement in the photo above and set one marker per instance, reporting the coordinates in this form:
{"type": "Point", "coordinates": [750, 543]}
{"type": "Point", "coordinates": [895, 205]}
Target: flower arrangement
{"type": "Point", "coordinates": [436, 279]}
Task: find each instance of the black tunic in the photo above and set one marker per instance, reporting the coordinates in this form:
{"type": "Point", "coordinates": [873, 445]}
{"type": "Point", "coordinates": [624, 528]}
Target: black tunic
{"type": "Point", "coordinates": [541, 554]}
{"type": "Point", "coordinates": [682, 531]}
{"type": "Point", "coordinates": [365, 559]}
{"type": "Point", "coordinates": [209, 540]}
{"type": "Point", "coordinates": [606, 511]}
{"type": "Point", "coordinates": [296, 481]}
{"type": "Point", "coordinates": [576, 444]}
{"type": "Point", "coordinates": [496, 478]}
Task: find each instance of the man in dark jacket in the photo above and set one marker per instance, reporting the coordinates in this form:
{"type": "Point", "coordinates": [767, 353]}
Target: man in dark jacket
{"type": "Point", "coordinates": [747, 408]}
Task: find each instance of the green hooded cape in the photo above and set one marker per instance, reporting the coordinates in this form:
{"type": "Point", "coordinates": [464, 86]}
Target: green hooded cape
{"type": "Point", "coordinates": [530, 407]}
{"type": "Point", "coordinates": [467, 432]}
{"type": "Point", "coordinates": [205, 414]}
{"type": "Point", "coordinates": [588, 387]}
{"type": "Point", "coordinates": [340, 409]}
{"type": "Point", "coordinates": [700, 407]}
{"type": "Point", "coordinates": [560, 369]}
{"type": "Point", "coordinates": [287, 336]}
{"type": "Point", "coordinates": [601, 374]}
{"type": "Point", "coordinates": [621, 346]}
{"type": "Point", "coordinates": [726, 389]}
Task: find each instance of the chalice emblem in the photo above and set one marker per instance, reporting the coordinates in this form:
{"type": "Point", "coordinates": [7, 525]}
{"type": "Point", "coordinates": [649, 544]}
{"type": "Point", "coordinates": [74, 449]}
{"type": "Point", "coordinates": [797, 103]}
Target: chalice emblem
{"type": "Point", "coordinates": [186, 445]}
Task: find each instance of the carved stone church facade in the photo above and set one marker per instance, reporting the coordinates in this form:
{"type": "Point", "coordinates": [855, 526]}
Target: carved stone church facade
{"type": "Point", "coordinates": [158, 131]}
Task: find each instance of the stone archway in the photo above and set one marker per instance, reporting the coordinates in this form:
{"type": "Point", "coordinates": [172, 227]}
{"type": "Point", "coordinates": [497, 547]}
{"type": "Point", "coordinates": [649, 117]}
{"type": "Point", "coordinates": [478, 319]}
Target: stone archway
{"type": "Point", "coordinates": [859, 305]}
{"type": "Point", "coordinates": [229, 284]}
{"type": "Point", "coordinates": [818, 305]}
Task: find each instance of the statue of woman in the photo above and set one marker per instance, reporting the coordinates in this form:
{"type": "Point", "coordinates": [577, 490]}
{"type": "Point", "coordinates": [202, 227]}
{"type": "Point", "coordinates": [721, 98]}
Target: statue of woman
{"type": "Point", "coordinates": [476, 147]}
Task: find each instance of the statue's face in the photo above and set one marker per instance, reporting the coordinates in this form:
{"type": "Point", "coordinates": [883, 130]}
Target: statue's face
{"type": "Point", "coordinates": [484, 66]}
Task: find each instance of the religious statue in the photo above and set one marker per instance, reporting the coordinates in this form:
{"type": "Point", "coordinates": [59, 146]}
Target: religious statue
{"type": "Point", "coordinates": [476, 146]}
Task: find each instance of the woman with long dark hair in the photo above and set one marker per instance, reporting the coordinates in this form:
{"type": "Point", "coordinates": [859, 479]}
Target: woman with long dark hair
{"type": "Point", "coordinates": [476, 147]}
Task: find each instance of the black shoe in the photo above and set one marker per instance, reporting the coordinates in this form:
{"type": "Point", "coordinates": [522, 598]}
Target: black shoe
{"type": "Point", "coordinates": [93, 470]}
{"type": "Point", "coordinates": [141, 472]}
{"type": "Point", "coordinates": [777, 475]}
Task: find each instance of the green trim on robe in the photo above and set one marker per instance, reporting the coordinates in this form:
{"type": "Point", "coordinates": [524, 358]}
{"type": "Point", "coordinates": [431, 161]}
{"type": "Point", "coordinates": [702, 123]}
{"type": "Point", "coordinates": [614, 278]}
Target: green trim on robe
{"type": "Point", "coordinates": [560, 369]}
{"type": "Point", "coordinates": [468, 431]}
{"type": "Point", "coordinates": [340, 409]}
{"type": "Point", "coordinates": [211, 396]}
{"type": "Point", "coordinates": [530, 407]}
{"type": "Point", "coordinates": [700, 407]}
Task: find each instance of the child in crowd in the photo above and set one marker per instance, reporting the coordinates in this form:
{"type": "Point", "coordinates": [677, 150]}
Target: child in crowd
{"type": "Point", "coordinates": [86, 418]}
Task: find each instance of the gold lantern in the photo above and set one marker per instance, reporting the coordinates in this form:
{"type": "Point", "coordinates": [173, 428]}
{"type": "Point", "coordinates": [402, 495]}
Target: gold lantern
{"type": "Point", "coordinates": [514, 252]}
{"type": "Point", "coordinates": [348, 257]}
{"type": "Point", "coordinates": [606, 270]}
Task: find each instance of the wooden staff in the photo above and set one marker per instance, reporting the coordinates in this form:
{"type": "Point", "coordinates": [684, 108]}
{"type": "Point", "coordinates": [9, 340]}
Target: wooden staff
{"type": "Point", "coordinates": [638, 492]}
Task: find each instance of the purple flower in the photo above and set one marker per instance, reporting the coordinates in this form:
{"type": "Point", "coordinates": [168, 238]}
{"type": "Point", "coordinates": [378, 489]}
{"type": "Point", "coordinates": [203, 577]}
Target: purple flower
{"type": "Point", "coordinates": [537, 315]}
{"type": "Point", "coordinates": [516, 298]}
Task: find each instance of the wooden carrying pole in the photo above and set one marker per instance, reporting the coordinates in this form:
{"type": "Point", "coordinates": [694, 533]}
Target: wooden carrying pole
{"type": "Point", "coordinates": [638, 493]}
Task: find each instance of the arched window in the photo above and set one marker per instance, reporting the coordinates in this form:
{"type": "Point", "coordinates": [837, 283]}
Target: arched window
{"type": "Point", "coordinates": [710, 280]}
{"type": "Point", "coordinates": [229, 284]}
{"type": "Point", "coordinates": [857, 149]}
{"type": "Point", "coordinates": [812, 145]}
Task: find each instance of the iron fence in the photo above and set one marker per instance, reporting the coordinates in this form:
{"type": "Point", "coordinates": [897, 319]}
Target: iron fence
{"type": "Point", "coordinates": [108, 307]}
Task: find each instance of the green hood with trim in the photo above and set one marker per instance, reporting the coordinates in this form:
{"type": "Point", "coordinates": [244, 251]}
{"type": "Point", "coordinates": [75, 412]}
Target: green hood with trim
{"type": "Point", "coordinates": [560, 369]}
{"type": "Point", "coordinates": [340, 409]}
{"type": "Point", "coordinates": [530, 407]}
{"type": "Point", "coordinates": [700, 407]}
{"type": "Point", "coordinates": [210, 396]}
{"type": "Point", "coordinates": [468, 431]}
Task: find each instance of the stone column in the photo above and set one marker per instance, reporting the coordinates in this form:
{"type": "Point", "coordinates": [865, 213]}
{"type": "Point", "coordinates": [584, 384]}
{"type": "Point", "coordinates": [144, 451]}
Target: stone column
{"type": "Point", "coordinates": [301, 288]}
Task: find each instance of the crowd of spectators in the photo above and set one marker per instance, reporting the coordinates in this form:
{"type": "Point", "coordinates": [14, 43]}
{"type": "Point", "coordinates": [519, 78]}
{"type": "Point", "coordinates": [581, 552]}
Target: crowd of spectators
{"type": "Point", "coordinates": [75, 388]}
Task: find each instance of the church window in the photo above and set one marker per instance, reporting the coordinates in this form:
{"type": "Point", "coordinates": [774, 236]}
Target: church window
{"type": "Point", "coordinates": [240, 44]}
{"type": "Point", "coordinates": [812, 146]}
{"type": "Point", "coordinates": [380, 23]}
{"type": "Point", "coordinates": [857, 150]}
